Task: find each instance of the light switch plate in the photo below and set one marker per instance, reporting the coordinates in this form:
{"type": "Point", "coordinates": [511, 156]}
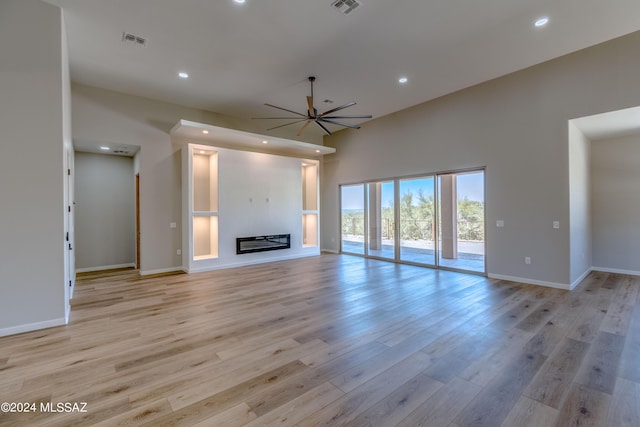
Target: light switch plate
{"type": "Point", "coordinates": [556, 224]}
{"type": "Point", "coordinates": [172, 225]}
{"type": "Point", "coordinates": [499, 223]}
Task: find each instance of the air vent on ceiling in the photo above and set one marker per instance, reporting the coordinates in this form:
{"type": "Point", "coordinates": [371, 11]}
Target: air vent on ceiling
{"type": "Point", "coordinates": [346, 6]}
{"type": "Point", "coordinates": [133, 39]}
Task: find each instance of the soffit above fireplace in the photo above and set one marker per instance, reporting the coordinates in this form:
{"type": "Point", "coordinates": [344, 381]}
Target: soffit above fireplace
{"type": "Point", "coordinates": [240, 140]}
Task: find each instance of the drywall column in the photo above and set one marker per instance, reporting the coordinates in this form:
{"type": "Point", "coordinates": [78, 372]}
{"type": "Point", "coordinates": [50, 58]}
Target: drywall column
{"type": "Point", "coordinates": [32, 169]}
{"type": "Point", "coordinates": [375, 217]}
{"type": "Point", "coordinates": [448, 222]}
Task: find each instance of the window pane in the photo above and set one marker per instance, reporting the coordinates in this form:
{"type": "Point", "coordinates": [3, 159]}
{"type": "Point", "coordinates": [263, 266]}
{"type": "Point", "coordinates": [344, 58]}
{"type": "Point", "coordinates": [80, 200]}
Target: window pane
{"type": "Point", "coordinates": [352, 205]}
{"type": "Point", "coordinates": [417, 220]}
{"type": "Point", "coordinates": [381, 219]}
{"type": "Point", "coordinates": [461, 229]}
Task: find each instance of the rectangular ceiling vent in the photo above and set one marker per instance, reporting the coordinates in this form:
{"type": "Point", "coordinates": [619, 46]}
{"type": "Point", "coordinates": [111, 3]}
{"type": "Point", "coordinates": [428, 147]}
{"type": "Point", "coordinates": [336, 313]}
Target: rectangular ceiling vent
{"type": "Point", "coordinates": [346, 6]}
{"type": "Point", "coordinates": [129, 38]}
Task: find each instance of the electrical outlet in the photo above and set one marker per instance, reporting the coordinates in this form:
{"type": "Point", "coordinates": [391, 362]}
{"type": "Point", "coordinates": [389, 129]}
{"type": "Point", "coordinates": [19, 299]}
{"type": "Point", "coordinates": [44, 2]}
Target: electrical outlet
{"type": "Point", "coordinates": [172, 225]}
{"type": "Point", "coordinates": [499, 223]}
{"type": "Point", "coordinates": [556, 224]}
{"type": "Point", "coordinates": [179, 252]}
{"type": "Point", "coordinates": [527, 260]}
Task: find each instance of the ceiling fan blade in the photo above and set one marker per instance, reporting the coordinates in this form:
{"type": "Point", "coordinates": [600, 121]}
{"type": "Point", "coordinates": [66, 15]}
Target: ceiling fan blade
{"type": "Point", "coordinates": [284, 109]}
{"type": "Point", "coordinates": [304, 127]}
{"type": "Point", "coordinates": [348, 117]}
{"type": "Point", "coordinates": [323, 127]}
{"type": "Point", "coordinates": [310, 105]}
{"type": "Point", "coordinates": [348, 104]}
{"type": "Point", "coordinates": [287, 124]}
{"type": "Point", "coordinates": [340, 124]}
{"type": "Point", "coordinates": [274, 118]}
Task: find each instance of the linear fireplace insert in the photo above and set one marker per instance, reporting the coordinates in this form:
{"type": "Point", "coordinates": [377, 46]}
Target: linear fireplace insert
{"type": "Point", "coordinates": [245, 245]}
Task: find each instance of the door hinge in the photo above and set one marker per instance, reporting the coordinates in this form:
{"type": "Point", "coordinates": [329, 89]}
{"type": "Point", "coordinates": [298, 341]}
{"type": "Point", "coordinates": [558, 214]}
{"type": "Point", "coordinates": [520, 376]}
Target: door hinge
{"type": "Point", "coordinates": [69, 208]}
{"type": "Point", "coordinates": [69, 283]}
{"type": "Point", "coordinates": [69, 172]}
{"type": "Point", "coordinates": [67, 236]}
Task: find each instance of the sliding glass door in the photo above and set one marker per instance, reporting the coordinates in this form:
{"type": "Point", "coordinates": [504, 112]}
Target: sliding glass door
{"type": "Point", "coordinates": [380, 216]}
{"type": "Point", "coordinates": [417, 220]}
{"type": "Point", "coordinates": [461, 243]}
{"type": "Point", "coordinates": [352, 218]}
{"type": "Point", "coordinates": [433, 220]}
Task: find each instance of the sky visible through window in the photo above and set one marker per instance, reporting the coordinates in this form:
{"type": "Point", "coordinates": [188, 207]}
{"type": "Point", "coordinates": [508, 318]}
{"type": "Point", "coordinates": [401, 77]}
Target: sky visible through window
{"type": "Point", "coordinates": [470, 186]}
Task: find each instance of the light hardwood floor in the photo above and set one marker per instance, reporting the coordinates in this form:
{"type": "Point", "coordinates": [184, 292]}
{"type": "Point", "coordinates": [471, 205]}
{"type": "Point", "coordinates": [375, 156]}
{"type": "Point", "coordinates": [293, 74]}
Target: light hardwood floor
{"type": "Point", "coordinates": [333, 340]}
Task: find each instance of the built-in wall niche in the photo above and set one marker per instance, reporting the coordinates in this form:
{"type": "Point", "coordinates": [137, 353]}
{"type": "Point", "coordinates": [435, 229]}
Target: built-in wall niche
{"type": "Point", "coordinates": [200, 230]}
{"type": "Point", "coordinates": [205, 237]}
{"type": "Point", "coordinates": [205, 181]}
{"type": "Point", "coordinates": [310, 228]}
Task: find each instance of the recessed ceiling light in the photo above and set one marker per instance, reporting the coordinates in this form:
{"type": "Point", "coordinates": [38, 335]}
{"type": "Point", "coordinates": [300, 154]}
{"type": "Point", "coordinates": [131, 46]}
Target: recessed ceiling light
{"type": "Point", "coordinates": [183, 75]}
{"type": "Point", "coordinates": [317, 151]}
{"type": "Point", "coordinates": [304, 164]}
{"type": "Point", "coordinates": [102, 147]}
{"type": "Point", "coordinates": [403, 80]}
{"type": "Point", "coordinates": [239, 1]}
{"type": "Point", "coordinates": [541, 22]}
{"type": "Point", "coordinates": [205, 132]}
{"type": "Point", "coordinates": [201, 152]}
{"type": "Point", "coordinates": [265, 142]}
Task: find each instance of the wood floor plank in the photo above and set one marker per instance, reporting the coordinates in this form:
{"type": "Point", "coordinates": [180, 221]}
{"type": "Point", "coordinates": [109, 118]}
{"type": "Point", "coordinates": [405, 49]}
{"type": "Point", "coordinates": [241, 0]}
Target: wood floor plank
{"type": "Point", "coordinates": [530, 413]}
{"type": "Point", "coordinates": [552, 382]}
{"type": "Point", "coordinates": [397, 405]}
{"type": "Point", "coordinates": [441, 408]}
{"type": "Point", "coordinates": [584, 407]}
{"type": "Point", "coordinates": [491, 407]}
{"type": "Point", "coordinates": [625, 405]}
{"type": "Point", "coordinates": [332, 340]}
{"type": "Point", "coordinates": [600, 366]}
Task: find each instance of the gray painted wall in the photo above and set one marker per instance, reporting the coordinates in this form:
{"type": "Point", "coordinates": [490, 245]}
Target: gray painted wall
{"type": "Point", "coordinates": [105, 210]}
{"type": "Point", "coordinates": [517, 127]}
{"type": "Point", "coordinates": [615, 178]}
{"type": "Point", "coordinates": [32, 118]}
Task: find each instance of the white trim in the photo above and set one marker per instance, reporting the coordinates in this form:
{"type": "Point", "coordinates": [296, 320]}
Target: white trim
{"type": "Point", "coordinates": [531, 281]}
{"type": "Point", "coordinates": [104, 267]}
{"type": "Point", "coordinates": [247, 263]}
{"type": "Point", "coordinates": [32, 327]}
{"type": "Point", "coordinates": [160, 271]}
{"type": "Point", "coordinates": [330, 251]}
{"type": "Point", "coordinates": [581, 278]}
{"type": "Point", "coordinates": [616, 270]}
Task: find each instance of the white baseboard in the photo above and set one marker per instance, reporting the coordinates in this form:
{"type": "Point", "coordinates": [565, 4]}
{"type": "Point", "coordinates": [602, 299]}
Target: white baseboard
{"type": "Point", "coordinates": [330, 251]}
{"type": "Point", "coordinates": [616, 270]}
{"type": "Point", "coordinates": [581, 278]}
{"type": "Point", "coordinates": [32, 327]}
{"type": "Point", "coordinates": [247, 263]}
{"type": "Point", "coordinates": [160, 271]}
{"type": "Point", "coordinates": [105, 267]}
{"type": "Point", "coordinates": [530, 281]}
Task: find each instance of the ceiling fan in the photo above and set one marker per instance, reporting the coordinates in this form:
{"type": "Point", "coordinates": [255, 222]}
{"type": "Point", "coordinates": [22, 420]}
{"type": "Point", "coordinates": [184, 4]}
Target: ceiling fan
{"type": "Point", "coordinates": [312, 116]}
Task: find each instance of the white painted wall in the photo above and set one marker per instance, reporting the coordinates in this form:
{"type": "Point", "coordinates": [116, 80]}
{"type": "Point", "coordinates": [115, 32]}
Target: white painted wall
{"type": "Point", "coordinates": [258, 194]}
{"type": "Point", "coordinates": [105, 211]}
{"type": "Point", "coordinates": [32, 119]}
{"type": "Point", "coordinates": [516, 126]}
{"type": "Point", "coordinates": [615, 178]}
{"type": "Point", "coordinates": [579, 204]}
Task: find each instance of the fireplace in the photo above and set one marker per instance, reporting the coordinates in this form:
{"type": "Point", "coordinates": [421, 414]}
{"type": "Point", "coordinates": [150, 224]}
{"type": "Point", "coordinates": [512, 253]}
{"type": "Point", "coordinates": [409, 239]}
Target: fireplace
{"type": "Point", "coordinates": [246, 245]}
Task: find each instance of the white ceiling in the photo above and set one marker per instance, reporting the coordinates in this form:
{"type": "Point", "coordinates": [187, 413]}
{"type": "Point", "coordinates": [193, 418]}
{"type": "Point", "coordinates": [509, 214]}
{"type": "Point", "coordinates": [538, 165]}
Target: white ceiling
{"type": "Point", "coordinates": [242, 56]}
